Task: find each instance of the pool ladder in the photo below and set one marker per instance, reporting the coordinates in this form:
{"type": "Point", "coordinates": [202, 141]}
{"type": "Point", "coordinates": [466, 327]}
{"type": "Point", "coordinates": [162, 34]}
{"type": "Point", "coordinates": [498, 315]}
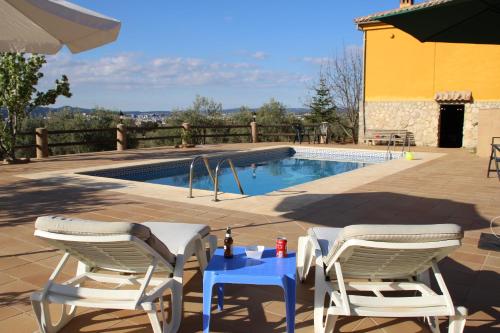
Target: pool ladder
{"type": "Point", "coordinates": [392, 142]}
{"type": "Point", "coordinates": [215, 180]}
{"type": "Point", "coordinates": [235, 174]}
{"type": "Point", "coordinates": [191, 172]}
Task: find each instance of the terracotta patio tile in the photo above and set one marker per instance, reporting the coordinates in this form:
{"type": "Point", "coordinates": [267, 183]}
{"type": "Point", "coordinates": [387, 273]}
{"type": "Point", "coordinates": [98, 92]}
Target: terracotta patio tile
{"type": "Point", "coordinates": [135, 317]}
{"type": "Point", "coordinates": [28, 270]}
{"type": "Point", "coordinates": [19, 323]}
{"type": "Point", "coordinates": [447, 190]}
{"type": "Point", "coordinates": [393, 325]}
{"type": "Point", "coordinates": [17, 294]}
{"type": "Point", "coordinates": [5, 278]}
{"type": "Point", "coordinates": [91, 321]}
{"type": "Point", "coordinates": [492, 261]}
{"type": "Point", "coordinates": [8, 261]}
{"type": "Point", "coordinates": [468, 257]}
{"type": "Point", "coordinates": [247, 321]}
{"type": "Point", "coordinates": [127, 326]}
{"type": "Point", "coordinates": [7, 311]}
{"type": "Point", "coordinates": [495, 254]}
{"type": "Point", "coordinates": [357, 324]}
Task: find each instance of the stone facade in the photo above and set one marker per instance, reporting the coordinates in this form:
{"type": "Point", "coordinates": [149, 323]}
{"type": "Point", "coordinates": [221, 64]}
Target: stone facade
{"type": "Point", "coordinates": [471, 118]}
{"type": "Point", "coordinates": [421, 118]}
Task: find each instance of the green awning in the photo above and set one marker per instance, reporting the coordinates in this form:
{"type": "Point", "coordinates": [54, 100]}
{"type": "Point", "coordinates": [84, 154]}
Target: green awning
{"type": "Point", "coordinates": [448, 21]}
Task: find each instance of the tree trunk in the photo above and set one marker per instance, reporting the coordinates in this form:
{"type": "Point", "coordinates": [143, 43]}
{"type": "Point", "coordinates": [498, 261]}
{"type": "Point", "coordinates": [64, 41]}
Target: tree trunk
{"type": "Point", "coordinates": [354, 135]}
{"type": "Point", "coordinates": [13, 130]}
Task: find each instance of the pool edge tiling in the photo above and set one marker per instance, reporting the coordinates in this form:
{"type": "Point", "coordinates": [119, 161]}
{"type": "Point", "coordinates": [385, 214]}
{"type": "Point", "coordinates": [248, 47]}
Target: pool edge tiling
{"type": "Point", "coordinates": [274, 203]}
{"type": "Point", "coordinates": [240, 157]}
{"type": "Point", "coordinates": [278, 169]}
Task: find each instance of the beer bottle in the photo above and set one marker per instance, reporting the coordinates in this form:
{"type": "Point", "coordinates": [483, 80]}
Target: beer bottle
{"type": "Point", "coordinates": [228, 244]}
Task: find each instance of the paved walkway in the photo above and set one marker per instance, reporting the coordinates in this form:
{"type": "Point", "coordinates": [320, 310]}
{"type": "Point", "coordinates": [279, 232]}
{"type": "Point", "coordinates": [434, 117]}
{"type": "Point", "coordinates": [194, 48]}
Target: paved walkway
{"type": "Point", "coordinates": [451, 189]}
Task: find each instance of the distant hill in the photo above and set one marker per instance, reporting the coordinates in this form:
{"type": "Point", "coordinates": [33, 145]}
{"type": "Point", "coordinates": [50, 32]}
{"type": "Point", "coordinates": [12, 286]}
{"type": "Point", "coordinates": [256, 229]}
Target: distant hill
{"type": "Point", "coordinates": [42, 111]}
{"type": "Point", "coordinates": [292, 110]}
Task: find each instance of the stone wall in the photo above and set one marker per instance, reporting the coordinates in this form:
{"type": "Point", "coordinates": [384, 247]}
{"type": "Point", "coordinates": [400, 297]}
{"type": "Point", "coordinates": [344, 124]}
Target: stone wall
{"type": "Point", "coordinates": [488, 127]}
{"type": "Point", "coordinates": [471, 119]}
{"type": "Point", "coordinates": [421, 118]}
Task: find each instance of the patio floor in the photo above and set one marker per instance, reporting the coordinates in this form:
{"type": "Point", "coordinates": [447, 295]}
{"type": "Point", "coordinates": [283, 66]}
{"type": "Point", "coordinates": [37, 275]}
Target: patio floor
{"type": "Point", "coordinates": [450, 189]}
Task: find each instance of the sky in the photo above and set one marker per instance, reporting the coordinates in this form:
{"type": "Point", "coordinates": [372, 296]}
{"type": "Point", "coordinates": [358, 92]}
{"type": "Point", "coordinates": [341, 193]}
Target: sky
{"type": "Point", "coordinates": [234, 51]}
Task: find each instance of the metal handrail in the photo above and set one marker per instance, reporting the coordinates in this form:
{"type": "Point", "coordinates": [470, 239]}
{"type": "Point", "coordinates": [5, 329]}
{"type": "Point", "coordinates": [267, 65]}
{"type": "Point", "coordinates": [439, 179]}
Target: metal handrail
{"type": "Point", "coordinates": [407, 140]}
{"type": "Point", "coordinates": [191, 172]}
{"type": "Point", "coordinates": [388, 154]}
{"type": "Point", "coordinates": [393, 141]}
{"type": "Point", "coordinates": [235, 174]}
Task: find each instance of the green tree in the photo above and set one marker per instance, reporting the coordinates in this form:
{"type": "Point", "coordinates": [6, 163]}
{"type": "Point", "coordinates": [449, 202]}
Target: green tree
{"type": "Point", "coordinates": [322, 106]}
{"type": "Point", "coordinates": [203, 111]}
{"type": "Point", "coordinates": [242, 117]}
{"type": "Point", "coordinates": [71, 119]}
{"type": "Point", "coordinates": [207, 106]}
{"type": "Point", "coordinates": [273, 113]}
{"type": "Point", "coordinates": [19, 76]}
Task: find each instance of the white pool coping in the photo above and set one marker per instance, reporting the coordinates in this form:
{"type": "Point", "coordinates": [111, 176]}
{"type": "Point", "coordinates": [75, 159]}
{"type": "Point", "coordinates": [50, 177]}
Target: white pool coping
{"type": "Point", "coordinates": [274, 203]}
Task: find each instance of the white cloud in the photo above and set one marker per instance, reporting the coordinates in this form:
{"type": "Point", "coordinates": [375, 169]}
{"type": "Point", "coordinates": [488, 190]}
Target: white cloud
{"type": "Point", "coordinates": [354, 48]}
{"type": "Point", "coordinates": [346, 50]}
{"type": "Point", "coordinates": [259, 55]}
{"type": "Point", "coordinates": [316, 60]}
{"type": "Point", "coordinates": [133, 71]}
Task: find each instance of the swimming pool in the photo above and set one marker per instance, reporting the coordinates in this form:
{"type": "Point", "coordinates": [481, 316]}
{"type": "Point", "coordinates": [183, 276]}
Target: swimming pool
{"type": "Point", "coordinates": [264, 177]}
{"type": "Point", "coordinates": [260, 172]}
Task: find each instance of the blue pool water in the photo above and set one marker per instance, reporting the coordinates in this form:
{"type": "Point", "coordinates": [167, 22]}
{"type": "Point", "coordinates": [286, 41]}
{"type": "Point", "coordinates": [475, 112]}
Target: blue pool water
{"type": "Point", "coordinates": [263, 177]}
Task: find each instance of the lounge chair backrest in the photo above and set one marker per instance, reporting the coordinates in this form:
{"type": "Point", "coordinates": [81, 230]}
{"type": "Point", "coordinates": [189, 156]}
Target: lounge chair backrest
{"type": "Point", "coordinates": [118, 246]}
{"type": "Point", "coordinates": [391, 251]}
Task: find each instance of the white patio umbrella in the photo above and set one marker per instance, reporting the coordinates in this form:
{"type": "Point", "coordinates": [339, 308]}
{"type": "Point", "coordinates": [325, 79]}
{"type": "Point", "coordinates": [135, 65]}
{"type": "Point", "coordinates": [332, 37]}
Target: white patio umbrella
{"type": "Point", "coordinates": [44, 26]}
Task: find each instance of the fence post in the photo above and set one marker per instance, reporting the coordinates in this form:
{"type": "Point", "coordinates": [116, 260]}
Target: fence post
{"type": "Point", "coordinates": [186, 134]}
{"type": "Point", "coordinates": [121, 137]}
{"type": "Point", "coordinates": [42, 142]}
{"type": "Point", "coordinates": [253, 126]}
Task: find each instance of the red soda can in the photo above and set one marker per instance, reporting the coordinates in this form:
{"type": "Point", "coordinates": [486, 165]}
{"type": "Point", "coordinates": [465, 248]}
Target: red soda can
{"type": "Point", "coordinates": [281, 247]}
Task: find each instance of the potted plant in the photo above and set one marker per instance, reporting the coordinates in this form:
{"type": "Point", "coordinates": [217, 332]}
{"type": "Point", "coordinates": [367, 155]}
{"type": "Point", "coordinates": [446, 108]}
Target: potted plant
{"type": "Point", "coordinates": [187, 139]}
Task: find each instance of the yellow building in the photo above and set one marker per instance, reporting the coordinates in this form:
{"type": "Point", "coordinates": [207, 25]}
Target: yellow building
{"type": "Point", "coordinates": [434, 90]}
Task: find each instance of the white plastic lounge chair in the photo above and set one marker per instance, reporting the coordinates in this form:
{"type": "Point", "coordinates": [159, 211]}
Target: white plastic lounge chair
{"type": "Point", "coordinates": [380, 271]}
{"type": "Point", "coordinates": [119, 254]}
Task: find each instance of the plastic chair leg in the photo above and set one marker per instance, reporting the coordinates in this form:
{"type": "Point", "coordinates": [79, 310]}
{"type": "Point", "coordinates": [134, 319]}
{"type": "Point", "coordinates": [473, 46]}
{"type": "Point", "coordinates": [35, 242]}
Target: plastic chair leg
{"type": "Point", "coordinates": [289, 286]}
{"type": "Point", "coordinates": [220, 296]}
{"type": "Point", "coordinates": [207, 303]}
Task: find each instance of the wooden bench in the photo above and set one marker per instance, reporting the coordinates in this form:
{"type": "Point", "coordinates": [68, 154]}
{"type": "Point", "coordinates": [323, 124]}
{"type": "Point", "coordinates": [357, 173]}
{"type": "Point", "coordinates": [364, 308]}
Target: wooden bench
{"type": "Point", "coordinates": [383, 136]}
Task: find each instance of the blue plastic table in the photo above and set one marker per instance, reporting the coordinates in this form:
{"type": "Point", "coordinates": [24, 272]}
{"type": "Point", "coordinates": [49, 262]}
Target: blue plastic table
{"type": "Point", "coordinates": [268, 270]}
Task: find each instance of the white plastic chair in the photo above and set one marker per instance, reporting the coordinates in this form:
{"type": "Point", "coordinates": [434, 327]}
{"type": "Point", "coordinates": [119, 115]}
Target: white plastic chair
{"type": "Point", "coordinates": [117, 255]}
{"type": "Point", "coordinates": [380, 271]}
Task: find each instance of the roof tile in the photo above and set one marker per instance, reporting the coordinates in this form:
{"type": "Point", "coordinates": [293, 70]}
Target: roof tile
{"type": "Point", "coordinates": [371, 18]}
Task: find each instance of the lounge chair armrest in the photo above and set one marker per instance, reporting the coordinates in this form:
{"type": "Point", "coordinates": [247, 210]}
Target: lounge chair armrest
{"type": "Point", "coordinates": [192, 247]}
{"type": "Point", "coordinates": [316, 248]}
